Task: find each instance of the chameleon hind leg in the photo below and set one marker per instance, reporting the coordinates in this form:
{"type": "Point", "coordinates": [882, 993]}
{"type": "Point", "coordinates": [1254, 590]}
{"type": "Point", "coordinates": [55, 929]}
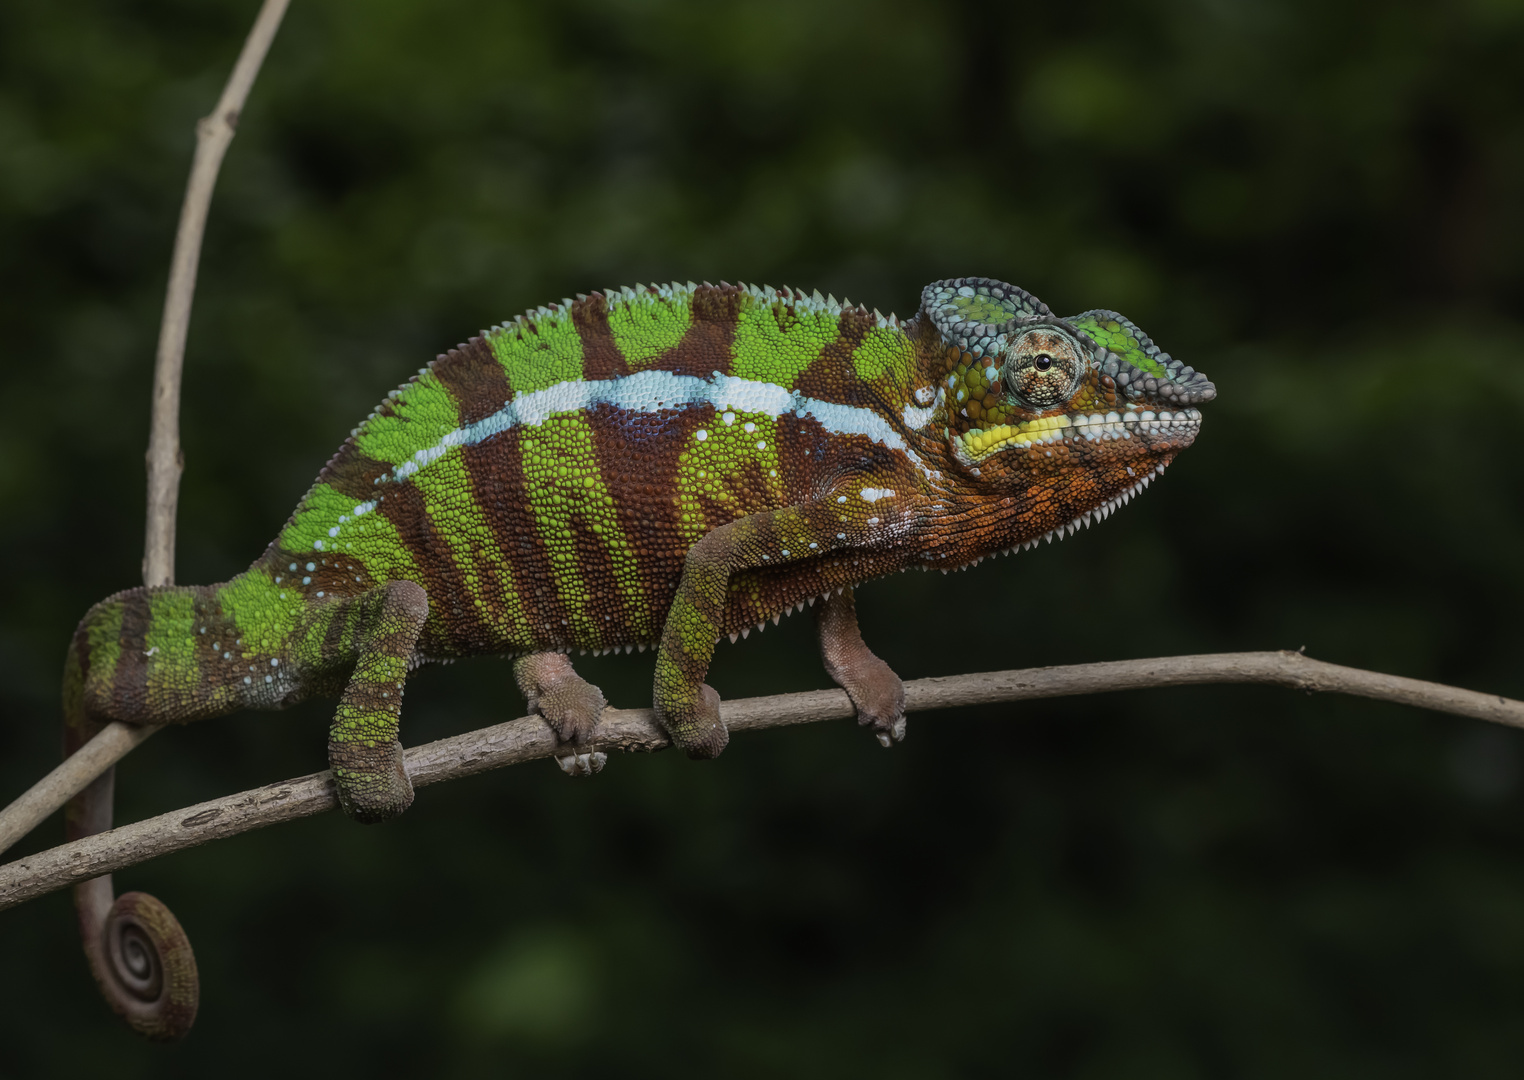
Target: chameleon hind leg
{"type": "Point", "coordinates": [569, 703]}
{"type": "Point", "coordinates": [871, 684]}
{"type": "Point", "coordinates": [363, 750]}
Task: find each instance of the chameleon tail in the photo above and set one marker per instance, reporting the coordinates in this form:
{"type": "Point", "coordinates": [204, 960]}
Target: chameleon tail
{"type": "Point", "coordinates": [140, 957]}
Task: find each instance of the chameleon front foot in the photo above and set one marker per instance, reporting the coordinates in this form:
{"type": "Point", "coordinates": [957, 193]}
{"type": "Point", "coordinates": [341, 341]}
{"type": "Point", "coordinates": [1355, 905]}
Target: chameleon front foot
{"type": "Point", "coordinates": [569, 703]}
{"type": "Point", "coordinates": [872, 684]}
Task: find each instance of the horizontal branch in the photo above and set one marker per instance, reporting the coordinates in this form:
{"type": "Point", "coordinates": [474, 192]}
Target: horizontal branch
{"type": "Point", "coordinates": [529, 738]}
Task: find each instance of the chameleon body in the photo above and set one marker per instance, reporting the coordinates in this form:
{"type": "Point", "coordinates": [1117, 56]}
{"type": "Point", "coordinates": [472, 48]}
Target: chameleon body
{"type": "Point", "coordinates": [661, 466]}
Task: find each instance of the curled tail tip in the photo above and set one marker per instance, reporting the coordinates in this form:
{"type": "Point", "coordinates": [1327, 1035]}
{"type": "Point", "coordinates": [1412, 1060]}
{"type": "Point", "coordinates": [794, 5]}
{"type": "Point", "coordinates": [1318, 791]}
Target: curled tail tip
{"type": "Point", "coordinates": [145, 967]}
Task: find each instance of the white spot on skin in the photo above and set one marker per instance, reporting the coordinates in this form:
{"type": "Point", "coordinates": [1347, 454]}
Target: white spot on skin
{"type": "Point", "coordinates": [873, 495]}
{"type": "Point", "coordinates": [310, 567]}
{"type": "Point", "coordinates": [333, 531]}
{"type": "Point", "coordinates": [702, 435]}
{"type": "Point", "coordinates": [306, 581]}
{"type": "Point", "coordinates": [151, 651]}
{"type": "Point", "coordinates": [761, 445]}
{"type": "Point", "coordinates": [748, 427]}
{"type": "Point", "coordinates": [729, 418]}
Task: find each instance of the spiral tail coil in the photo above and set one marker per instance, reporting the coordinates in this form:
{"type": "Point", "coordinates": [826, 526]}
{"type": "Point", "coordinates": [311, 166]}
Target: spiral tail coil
{"type": "Point", "coordinates": [140, 957]}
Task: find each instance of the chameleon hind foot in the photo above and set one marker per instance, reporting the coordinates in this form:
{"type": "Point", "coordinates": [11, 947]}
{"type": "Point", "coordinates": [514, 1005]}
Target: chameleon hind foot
{"type": "Point", "coordinates": [694, 725]}
{"type": "Point", "coordinates": [872, 684]}
{"type": "Point", "coordinates": [363, 750]}
{"type": "Point", "coordinates": [569, 703]}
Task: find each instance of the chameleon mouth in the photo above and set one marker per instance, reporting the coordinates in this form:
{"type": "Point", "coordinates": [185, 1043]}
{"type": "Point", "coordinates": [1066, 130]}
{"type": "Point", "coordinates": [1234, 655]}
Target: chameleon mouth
{"type": "Point", "coordinates": [1176, 427]}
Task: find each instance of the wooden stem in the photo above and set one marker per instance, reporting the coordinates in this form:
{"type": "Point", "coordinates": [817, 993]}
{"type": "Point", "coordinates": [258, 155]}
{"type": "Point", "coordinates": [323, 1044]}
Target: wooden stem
{"type": "Point", "coordinates": [214, 133]}
{"type": "Point", "coordinates": [529, 738]}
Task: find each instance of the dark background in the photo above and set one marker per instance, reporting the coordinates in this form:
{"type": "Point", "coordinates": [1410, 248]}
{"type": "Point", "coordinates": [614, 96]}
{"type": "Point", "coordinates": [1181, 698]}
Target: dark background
{"type": "Point", "coordinates": [1318, 202]}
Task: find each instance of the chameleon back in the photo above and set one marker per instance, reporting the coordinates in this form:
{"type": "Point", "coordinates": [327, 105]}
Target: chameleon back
{"type": "Point", "coordinates": [545, 482]}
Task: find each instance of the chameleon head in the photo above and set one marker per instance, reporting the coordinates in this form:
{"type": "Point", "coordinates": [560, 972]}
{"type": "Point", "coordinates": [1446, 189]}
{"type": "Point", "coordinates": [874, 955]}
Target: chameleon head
{"type": "Point", "coordinates": [1072, 413]}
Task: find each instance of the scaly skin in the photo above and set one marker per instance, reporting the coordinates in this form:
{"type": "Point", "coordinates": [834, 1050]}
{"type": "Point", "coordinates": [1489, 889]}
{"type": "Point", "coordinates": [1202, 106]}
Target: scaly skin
{"type": "Point", "coordinates": [654, 466]}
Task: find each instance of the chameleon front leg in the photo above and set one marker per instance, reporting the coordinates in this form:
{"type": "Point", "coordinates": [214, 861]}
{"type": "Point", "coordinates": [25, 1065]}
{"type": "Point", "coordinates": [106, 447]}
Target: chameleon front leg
{"type": "Point", "coordinates": [363, 750]}
{"type": "Point", "coordinates": [871, 684]}
{"type": "Point", "coordinates": [569, 703]}
{"type": "Point", "coordinates": [687, 707]}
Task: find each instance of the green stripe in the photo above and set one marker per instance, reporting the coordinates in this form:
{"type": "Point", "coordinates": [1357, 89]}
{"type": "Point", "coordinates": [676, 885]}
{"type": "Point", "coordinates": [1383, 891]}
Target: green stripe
{"type": "Point", "coordinates": [720, 468]}
{"type": "Point", "coordinates": [370, 537]}
{"type": "Point", "coordinates": [173, 671]}
{"type": "Point", "coordinates": [264, 612]}
{"type": "Point", "coordinates": [648, 327]}
{"type": "Point", "coordinates": [422, 413]}
{"type": "Point", "coordinates": [775, 344]}
{"type": "Point", "coordinates": [448, 499]}
{"type": "Point", "coordinates": [310, 648]}
{"type": "Point", "coordinates": [103, 634]}
{"type": "Point", "coordinates": [1114, 336]}
{"type": "Point", "coordinates": [534, 359]}
{"type": "Point", "coordinates": [565, 485]}
{"type": "Point", "coordinates": [884, 357]}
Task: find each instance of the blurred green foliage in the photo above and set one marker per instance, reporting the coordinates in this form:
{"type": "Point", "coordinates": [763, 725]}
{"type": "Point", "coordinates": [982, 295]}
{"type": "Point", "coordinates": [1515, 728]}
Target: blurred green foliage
{"type": "Point", "coordinates": [1321, 204]}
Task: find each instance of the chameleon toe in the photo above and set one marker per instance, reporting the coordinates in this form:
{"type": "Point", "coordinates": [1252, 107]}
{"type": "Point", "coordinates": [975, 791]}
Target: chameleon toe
{"type": "Point", "coordinates": [896, 733]}
{"type": "Point", "coordinates": [583, 764]}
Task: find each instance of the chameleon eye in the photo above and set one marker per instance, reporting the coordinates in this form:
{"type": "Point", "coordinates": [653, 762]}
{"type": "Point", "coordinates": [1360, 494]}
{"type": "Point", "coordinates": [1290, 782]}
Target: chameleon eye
{"type": "Point", "coordinates": [1042, 368]}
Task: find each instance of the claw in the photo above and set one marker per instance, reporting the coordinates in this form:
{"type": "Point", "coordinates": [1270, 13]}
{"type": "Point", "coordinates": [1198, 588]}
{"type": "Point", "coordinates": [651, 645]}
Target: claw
{"type": "Point", "coordinates": [884, 740]}
{"type": "Point", "coordinates": [583, 764]}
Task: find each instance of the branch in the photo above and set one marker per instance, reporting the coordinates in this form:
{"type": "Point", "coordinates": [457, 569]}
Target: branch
{"type": "Point", "coordinates": [165, 461]}
{"type": "Point", "coordinates": [529, 738]}
{"type": "Point", "coordinates": [213, 135]}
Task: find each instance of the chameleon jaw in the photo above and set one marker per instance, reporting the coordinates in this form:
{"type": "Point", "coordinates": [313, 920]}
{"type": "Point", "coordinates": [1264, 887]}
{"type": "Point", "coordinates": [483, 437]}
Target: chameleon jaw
{"type": "Point", "coordinates": [1178, 426]}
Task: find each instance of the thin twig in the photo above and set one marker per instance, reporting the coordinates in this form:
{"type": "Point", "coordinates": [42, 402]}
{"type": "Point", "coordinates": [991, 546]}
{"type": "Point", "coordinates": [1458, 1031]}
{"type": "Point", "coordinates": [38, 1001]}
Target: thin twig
{"type": "Point", "coordinates": [635, 730]}
{"type": "Point", "coordinates": [213, 135]}
{"type": "Point", "coordinates": [165, 461]}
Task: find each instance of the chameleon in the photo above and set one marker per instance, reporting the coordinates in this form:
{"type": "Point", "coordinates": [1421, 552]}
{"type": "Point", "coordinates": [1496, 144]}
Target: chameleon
{"type": "Point", "coordinates": [657, 466]}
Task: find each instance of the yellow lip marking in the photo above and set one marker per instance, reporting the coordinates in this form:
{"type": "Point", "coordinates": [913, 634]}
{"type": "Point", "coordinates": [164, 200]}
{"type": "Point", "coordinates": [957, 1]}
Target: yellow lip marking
{"type": "Point", "coordinates": [1045, 428]}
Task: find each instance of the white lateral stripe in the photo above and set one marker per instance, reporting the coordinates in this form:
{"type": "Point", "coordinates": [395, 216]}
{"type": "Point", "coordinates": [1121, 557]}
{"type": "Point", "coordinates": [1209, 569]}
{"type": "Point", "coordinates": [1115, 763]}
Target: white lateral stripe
{"type": "Point", "coordinates": [653, 391]}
